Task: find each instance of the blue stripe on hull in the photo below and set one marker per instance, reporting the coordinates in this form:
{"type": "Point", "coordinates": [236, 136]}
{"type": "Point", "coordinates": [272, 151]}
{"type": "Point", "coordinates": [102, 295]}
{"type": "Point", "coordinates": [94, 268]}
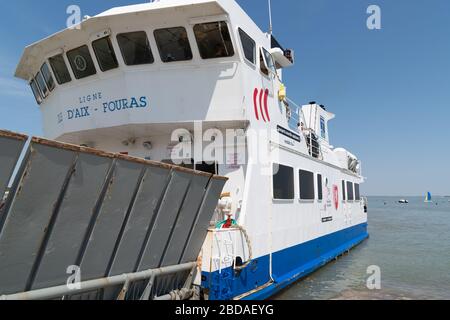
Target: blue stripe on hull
{"type": "Point", "coordinates": [289, 265]}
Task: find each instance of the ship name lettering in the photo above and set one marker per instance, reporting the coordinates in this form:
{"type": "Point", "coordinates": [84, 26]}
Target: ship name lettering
{"type": "Point", "coordinates": [123, 104]}
{"type": "Point", "coordinates": [78, 113]}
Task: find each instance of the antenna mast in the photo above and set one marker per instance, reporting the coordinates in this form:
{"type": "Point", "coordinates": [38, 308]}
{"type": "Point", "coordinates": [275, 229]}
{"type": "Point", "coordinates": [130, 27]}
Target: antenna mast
{"type": "Point", "coordinates": [270, 18]}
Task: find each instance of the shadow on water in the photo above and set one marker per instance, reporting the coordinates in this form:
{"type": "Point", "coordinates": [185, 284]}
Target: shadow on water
{"type": "Point", "coordinates": [411, 245]}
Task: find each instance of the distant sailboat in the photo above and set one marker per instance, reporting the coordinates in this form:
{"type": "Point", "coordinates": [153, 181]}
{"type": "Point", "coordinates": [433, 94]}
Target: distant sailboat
{"type": "Point", "coordinates": [428, 198]}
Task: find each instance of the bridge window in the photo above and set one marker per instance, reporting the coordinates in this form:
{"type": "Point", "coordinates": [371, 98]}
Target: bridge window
{"type": "Point", "coordinates": [283, 182]}
{"type": "Point", "coordinates": [249, 46]}
{"type": "Point", "coordinates": [214, 40]}
{"type": "Point", "coordinates": [323, 128]}
{"type": "Point", "coordinates": [59, 68]}
{"type": "Point", "coordinates": [343, 191]}
{"type": "Point", "coordinates": [262, 64]}
{"type": "Point", "coordinates": [173, 44]}
{"type": "Point", "coordinates": [36, 91]}
{"type": "Point", "coordinates": [48, 77]}
{"type": "Point", "coordinates": [41, 84]}
{"type": "Point", "coordinates": [350, 193]}
{"type": "Point", "coordinates": [306, 185]}
{"type": "Point", "coordinates": [105, 54]}
{"type": "Point", "coordinates": [81, 62]}
{"type": "Point", "coordinates": [319, 187]}
{"type": "Point", "coordinates": [357, 192]}
{"type": "Point", "coordinates": [268, 59]}
{"type": "Point", "coordinates": [135, 48]}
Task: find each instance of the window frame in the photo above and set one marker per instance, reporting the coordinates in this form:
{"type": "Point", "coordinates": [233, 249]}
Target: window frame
{"type": "Point", "coordinates": [50, 77]}
{"type": "Point", "coordinates": [56, 74]}
{"type": "Point", "coordinates": [271, 72]}
{"type": "Point", "coordinates": [292, 187]}
{"type": "Point", "coordinates": [344, 191]}
{"type": "Point", "coordinates": [111, 48]}
{"type": "Point", "coordinates": [262, 63]}
{"type": "Point", "coordinates": [159, 47]}
{"type": "Point", "coordinates": [312, 197]}
{"type": "Point", "coordinates": [36, 91]}
{"type": "Point", "coordinates": [229, 34]}
{"type": "Point", "coordinates": [319, 187]}
{"type": "Point", "coordinates": [44, 94]}
{"type": "Point", "coordinates": [357, 187]}
{"type": "Point", "coordinates": [323, 127]}
{"type": "Point", "coordinates": [255, 51]}
{"type": "Point", "coordinates": [149, 47]}
{"type": "Point", "coordinates": [350, 196]}
{"type": "Point", "coordinates": [74, 69]}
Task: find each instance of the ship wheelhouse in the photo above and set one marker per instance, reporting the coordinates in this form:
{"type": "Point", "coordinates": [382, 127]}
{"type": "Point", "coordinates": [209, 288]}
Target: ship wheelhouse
{"type": "Point", "coordinates": [159, 63]}
{"type": "Point", "coordinates": [135, 67]}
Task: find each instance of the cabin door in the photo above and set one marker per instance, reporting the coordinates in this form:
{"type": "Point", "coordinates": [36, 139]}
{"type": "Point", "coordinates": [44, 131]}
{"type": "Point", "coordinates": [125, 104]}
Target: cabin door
{"type": "Point", "coordinates": [327, 200]}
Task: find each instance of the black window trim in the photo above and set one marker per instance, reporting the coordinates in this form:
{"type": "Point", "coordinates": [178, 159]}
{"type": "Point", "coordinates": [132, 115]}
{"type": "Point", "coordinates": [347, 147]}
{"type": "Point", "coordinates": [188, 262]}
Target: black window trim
{"type": "Point", "coordinates": [49, 67]}
{"type": "Point", "coordinates": [36, 93]}
{"type": "Point", "coordinates": [159, 49]}
{"type": "Point", "coordinates": [68, 66]}
{"type": "Point", "coordinates": [233, 46]}
{"type": "Point", "coordinates": [353, 191]}
{"type": "Point", "coordinates": [359, 191]}
{"type": "Point", "coordinates": [270, 72]}
{"type": "Point", "coordinates": [255, 53]}
{"type": "Point", "coordinates": [96, 61]}
{"type": "Point", "coordinates": [150, 38]}
{"type": "Point", "coordinates": [344, 190]}
{"type": "Point", "coordinates": [261, 56]}
{"type": "Point", "coordinates": [92, 56]}
{"type": "Point", "coordinates": [276, 200]}
{"type": "Point", "coordinates": [300, 189]}
{"type": "Point", "coordinates": [317, 182]}
{"type": "Point", "coordinates": [43, 94]}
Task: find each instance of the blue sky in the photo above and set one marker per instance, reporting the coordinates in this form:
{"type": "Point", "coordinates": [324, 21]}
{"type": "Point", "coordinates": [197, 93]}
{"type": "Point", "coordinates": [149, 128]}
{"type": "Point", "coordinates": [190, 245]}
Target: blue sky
{"type": "Point", "coordinates": [389, 88]}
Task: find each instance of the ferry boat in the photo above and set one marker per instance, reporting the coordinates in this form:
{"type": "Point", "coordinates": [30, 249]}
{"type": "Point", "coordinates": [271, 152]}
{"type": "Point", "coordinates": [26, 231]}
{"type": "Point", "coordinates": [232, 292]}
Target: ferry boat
{"type": "Point", "coordinates": [196, 83]}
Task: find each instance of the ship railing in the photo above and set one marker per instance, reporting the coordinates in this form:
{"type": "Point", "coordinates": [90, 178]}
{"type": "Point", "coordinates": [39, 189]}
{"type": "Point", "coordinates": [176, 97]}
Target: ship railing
{"type": "Point", "coordinates": [125, 280]}
{"type": "Point", "coordinates": [312, 140]}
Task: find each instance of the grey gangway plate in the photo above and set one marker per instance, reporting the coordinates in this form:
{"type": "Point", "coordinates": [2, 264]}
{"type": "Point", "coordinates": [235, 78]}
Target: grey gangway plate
{"type": "Point", "coordinates": [104, 213]}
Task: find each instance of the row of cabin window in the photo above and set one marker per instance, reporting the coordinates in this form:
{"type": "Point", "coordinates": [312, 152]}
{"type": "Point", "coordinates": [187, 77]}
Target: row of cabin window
{"type": "Point", "coordinates": [283, 185]}
{"type": "Point", "coordinates": [353, 192]}
{"type": "Point", "coordinates": [213, 40]}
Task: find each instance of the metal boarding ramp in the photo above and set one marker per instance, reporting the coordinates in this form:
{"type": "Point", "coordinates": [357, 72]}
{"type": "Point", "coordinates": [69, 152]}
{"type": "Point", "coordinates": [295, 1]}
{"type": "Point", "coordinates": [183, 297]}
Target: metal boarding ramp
{"type": "Point", "coordinates": [78, 223]}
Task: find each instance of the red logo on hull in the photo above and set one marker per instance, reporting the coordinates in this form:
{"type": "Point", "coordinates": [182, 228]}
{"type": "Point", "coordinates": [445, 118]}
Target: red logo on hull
{"type": "Point", "coordinates": [336, 196]}
{"type": "Point", "coordinates": [260, 104]}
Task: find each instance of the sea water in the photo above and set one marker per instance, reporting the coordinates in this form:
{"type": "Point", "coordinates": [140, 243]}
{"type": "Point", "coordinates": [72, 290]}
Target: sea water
{"type": "Point", "coordinates": [409, 243]}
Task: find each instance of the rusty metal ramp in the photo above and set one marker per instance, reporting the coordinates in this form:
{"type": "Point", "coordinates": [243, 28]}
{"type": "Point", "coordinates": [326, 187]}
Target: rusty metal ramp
{"type": "Point", "coordinates": [103, 215]}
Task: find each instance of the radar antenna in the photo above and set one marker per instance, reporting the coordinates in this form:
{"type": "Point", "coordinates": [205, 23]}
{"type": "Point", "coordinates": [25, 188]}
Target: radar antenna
{"type": "Point", "coordinates": [270, 17]}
